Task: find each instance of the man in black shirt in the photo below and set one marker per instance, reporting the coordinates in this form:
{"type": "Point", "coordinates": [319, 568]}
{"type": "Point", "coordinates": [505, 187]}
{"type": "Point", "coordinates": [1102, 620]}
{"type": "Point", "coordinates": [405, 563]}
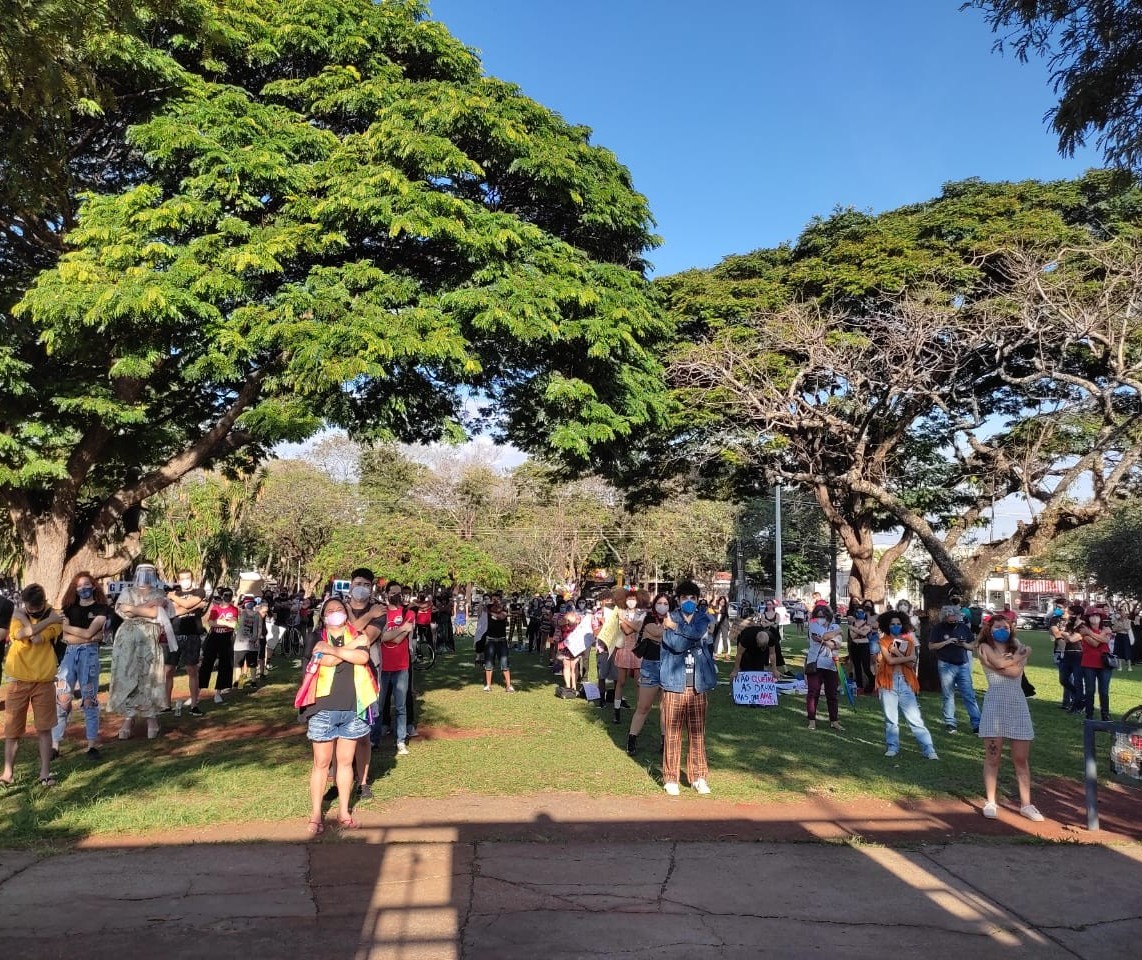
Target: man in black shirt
{"type": "Point", "coordinates": [757, 649]}
{"type": "Point", "coordinates": [952, 642]}
{"type": "Point", "coordinates": [189, 606]}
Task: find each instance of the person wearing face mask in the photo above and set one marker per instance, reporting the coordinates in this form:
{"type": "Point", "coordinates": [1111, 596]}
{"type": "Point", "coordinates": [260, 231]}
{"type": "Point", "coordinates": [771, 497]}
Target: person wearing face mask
{"type": "Point", "coordinates": [189, 604]}
{"type": "Point", "coordinates": [400, 622]}
{"type": "Point", "coordinates": [497, 645]}
{"type": "Point", "coordinates": [952, 642]}
{"type": "Point", "coordinates": [138, 673]}
{"type": "Point", "coordinates": [861, 633]}
{"type": "Point", "coordinates": [221, 621]}
{"type": "Point", "coordinates": [367, 618]}
{"type": "Point", "coordinates": [1123, 636]}
{"type": "Point", "coordinates": [247, 638]}
{"type": "Point", "coordinates": [687, 673]}
{"type": "Point", "coordinates": [821, 670]}
{"type": "Point", "coordinates": [1057, 628]}
{"type": "Point", "coordinates": [649, 639]}
{"type": "Point", "coordinates": [342, 710]}
{"type": "Point", "coordinates": [626, 662]}
{"type": "Point", "coordinates": [30, 666]}
{"type": "Point", "coordinates": [1005, 715]}
{"type": "Point", "coordinates": [897, 685]}
{"type": "Point", "coordinates": [86, 611]}
{"type": "Point", "coordinates": [1072, 658]}
{"type": "Point", "coordinates": [1097, 637]}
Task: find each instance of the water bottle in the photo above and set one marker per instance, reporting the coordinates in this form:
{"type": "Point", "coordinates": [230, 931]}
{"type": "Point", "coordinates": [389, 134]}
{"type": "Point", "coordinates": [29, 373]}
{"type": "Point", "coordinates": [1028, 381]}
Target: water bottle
{"type": "Point", "coordinates": [178, 707]}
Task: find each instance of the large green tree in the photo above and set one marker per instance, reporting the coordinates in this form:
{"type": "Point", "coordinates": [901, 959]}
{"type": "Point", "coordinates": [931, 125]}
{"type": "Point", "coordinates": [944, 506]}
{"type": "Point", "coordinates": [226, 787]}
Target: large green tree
{"type": "Point", "coordinates": [284, 215]}
{"type": "Point", "coordinates": [913, 368]}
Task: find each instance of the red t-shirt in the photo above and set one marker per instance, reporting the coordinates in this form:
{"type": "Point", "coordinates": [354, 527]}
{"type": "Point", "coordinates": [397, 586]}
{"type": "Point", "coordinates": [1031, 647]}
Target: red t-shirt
{"type": "Point", "coordinates": [394, 656]}
{"type": "Point", "coordinates": [1092, 656]}
{"type": "Point", "coordinates": [226, 612]}
{"type": "Point", "coordinates": [424, 617]}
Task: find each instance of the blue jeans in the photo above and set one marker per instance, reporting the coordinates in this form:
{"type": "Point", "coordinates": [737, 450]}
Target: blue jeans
{"type": "Point", "coordinates": [953, 677]}
{"type": "Point", "coordinates": [901, 699]}
{"type": "Point", "coordinates": [1101, 678]}
{"type": "Point", "coordinates": [398, 680]}
{"type": "Point", "coordinates": [1072, 668]}
{"type": "Point", "coordinates": [80, 665]}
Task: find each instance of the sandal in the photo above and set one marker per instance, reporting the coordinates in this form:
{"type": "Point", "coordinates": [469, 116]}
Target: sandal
{"type": "Point", "coordinates": [48, 781]}
{"type": "Point", "coordinates": [315, 828]}
{"type": "Point", "coordinates": [7, 784]}
{"type": "Point", "coordinates": [349, 824]}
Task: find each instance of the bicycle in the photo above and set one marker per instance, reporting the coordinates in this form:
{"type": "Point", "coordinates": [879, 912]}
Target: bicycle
{"type": "Point", "coordinates": [292, 644]}
{"type": "Point", "coordinates": [423, 655]}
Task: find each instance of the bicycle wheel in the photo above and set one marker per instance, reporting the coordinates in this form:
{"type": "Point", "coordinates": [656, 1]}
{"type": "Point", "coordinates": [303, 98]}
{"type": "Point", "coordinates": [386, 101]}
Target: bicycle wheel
{"type": "Point", "coordinates": [1133, 715]}
{"type": "Point", "coordinates": [425, 655]}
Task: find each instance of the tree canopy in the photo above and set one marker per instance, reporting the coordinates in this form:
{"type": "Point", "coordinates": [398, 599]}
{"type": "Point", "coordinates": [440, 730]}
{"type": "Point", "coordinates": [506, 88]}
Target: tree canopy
{"type": "Point", "coordinates": [1094, 50]}
{"type": "Point", "coordinates": [255, 218]}
{"type": "Point", "coordinates": [913, 368]}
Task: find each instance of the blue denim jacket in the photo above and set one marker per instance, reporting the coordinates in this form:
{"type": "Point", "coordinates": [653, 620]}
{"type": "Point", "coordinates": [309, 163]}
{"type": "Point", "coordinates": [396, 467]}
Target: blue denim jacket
{"type": "Point", "coordinates": [676, 643]}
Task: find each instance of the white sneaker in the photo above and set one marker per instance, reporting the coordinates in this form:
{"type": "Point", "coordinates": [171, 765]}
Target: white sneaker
{"type": "Point", "coordinates": [188, 702]}
{"type": "Point", "coordinates": [402, 750]}
{"type": "Point", "coordinates": [701, 786]}
{"type": "Point", "coordinates": [217, 698]}
{"type": "Point", "coordinates": [672, 789]}
{"type": "Point", "coordinates": [891, 753]}
{"type": "Point", "coordinates": [487, 689]}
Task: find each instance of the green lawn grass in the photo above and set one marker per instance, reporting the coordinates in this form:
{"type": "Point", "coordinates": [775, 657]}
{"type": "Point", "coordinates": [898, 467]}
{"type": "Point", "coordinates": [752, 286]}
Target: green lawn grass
{"type": "Point", "coordinates": [526, 743]}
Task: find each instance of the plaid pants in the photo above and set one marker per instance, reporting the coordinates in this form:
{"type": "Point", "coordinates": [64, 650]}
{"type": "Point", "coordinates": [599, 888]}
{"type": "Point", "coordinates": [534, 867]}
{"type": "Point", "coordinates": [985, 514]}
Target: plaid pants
{"type": "Point", "coordinates": [678, 709]}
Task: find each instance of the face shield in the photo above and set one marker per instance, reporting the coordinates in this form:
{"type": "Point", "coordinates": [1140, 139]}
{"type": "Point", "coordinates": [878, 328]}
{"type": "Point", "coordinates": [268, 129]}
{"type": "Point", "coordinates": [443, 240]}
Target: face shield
{"type": "Point", "coordinates": [146, 576]}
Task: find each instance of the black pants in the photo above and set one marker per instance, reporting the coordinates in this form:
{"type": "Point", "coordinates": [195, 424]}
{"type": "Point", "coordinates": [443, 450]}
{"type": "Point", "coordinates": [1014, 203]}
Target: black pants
{"type": "Point", "coordinates": [410, 706]}
{"type": "Point", "coordinates": [218, 648]}
{"type": "Point", "coordinates": [860, 660]}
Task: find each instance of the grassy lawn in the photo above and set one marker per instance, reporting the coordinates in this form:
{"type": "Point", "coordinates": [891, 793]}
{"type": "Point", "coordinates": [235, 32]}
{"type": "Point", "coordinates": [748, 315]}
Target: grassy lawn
{"type": "Point", "coordinates": [248, 760]}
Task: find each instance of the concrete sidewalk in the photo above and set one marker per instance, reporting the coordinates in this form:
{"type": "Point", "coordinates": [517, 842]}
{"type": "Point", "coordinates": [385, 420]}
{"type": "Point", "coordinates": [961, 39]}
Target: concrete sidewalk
{"type": "Point", "coordinates": [476, 899]}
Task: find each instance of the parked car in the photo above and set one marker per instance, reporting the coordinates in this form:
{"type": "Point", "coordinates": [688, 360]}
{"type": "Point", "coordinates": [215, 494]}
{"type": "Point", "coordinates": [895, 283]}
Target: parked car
{"type": "Point", "coordinates": [1031, 620]}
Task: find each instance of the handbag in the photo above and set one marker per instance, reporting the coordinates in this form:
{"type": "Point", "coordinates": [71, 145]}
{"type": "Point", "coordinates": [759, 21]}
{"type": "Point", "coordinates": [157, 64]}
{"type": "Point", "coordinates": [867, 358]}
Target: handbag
{"type": "Point", "coordinates": [1109, 661]}
{"type": "Point", "coordinates": [307, 692]}
{"type": "Point", "coordinates": [643, 644]}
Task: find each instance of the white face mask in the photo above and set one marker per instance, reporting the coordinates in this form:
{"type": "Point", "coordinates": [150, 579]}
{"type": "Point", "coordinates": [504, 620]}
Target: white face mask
{"type": "Point", "coordinates": [1095, 621]}
{"type": "Point", "coordinates": [662, 609]}
{"type": "Point", "coordinates": [186, 584]}
{"type": "Point", "coordinates": [632, 602]}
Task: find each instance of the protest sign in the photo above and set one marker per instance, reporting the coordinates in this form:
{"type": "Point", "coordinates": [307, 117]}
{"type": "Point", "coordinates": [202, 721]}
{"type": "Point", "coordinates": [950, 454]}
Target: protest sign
{"type": "Point", "coordinates": [756, 688]}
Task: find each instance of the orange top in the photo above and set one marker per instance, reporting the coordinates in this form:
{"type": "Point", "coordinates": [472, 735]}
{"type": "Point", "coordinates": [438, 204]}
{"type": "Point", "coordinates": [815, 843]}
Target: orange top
{"type": "Point", "coordinates": [884, 669]}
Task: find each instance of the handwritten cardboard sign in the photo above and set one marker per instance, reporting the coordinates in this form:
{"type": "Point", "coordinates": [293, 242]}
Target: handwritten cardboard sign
{"type": "Point", "coordinates": [756, 688]}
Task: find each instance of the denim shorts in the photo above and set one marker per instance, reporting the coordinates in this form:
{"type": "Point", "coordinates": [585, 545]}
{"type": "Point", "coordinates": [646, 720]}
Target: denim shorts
{"type": "Point", "coordinates": [648, 674]}
{"type": "Point", "coordinates": [326, 725]}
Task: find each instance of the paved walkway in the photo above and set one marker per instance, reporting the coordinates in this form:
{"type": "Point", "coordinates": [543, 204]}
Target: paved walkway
{"type": "Point", "coordinates": [561, 876]}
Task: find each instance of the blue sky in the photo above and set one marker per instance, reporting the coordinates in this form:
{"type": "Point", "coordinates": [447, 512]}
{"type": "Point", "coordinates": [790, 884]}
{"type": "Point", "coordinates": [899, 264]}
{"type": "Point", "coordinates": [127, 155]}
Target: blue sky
{"type": "Point", "coordinates": [742, 120]}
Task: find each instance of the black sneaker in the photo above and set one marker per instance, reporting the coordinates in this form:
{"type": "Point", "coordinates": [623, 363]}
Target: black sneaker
{"type": "Point", "coordinates": [196, 712]}
{"type": "Point", "coordinates": [618, 716]}
{"type": "Point", "coordinates": [632, 744]}
{"type": "Point", "coordinates": [364, 792]}
{"type": "Point", "coordinates": [55, 753]}
{"type": "Point", "coordinates": [92, 754]}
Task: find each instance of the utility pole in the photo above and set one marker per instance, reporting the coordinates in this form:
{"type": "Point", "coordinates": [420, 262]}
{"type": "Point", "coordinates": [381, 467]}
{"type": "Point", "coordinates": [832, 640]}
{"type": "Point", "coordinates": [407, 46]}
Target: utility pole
{"type": "Point", "coordinates": [778, 588]}
{"type": "Point", "coordinates": [833, 567]}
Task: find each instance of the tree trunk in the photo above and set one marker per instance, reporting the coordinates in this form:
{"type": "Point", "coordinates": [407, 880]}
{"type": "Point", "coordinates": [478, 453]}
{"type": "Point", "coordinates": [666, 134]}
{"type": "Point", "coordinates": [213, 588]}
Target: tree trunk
{"type": "Point", "coordinates": [50, 561]}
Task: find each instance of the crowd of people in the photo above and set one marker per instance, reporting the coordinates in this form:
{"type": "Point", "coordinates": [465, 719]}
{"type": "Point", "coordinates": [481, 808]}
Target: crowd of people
{"type": "Point", "coordinates": [358, 685]}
